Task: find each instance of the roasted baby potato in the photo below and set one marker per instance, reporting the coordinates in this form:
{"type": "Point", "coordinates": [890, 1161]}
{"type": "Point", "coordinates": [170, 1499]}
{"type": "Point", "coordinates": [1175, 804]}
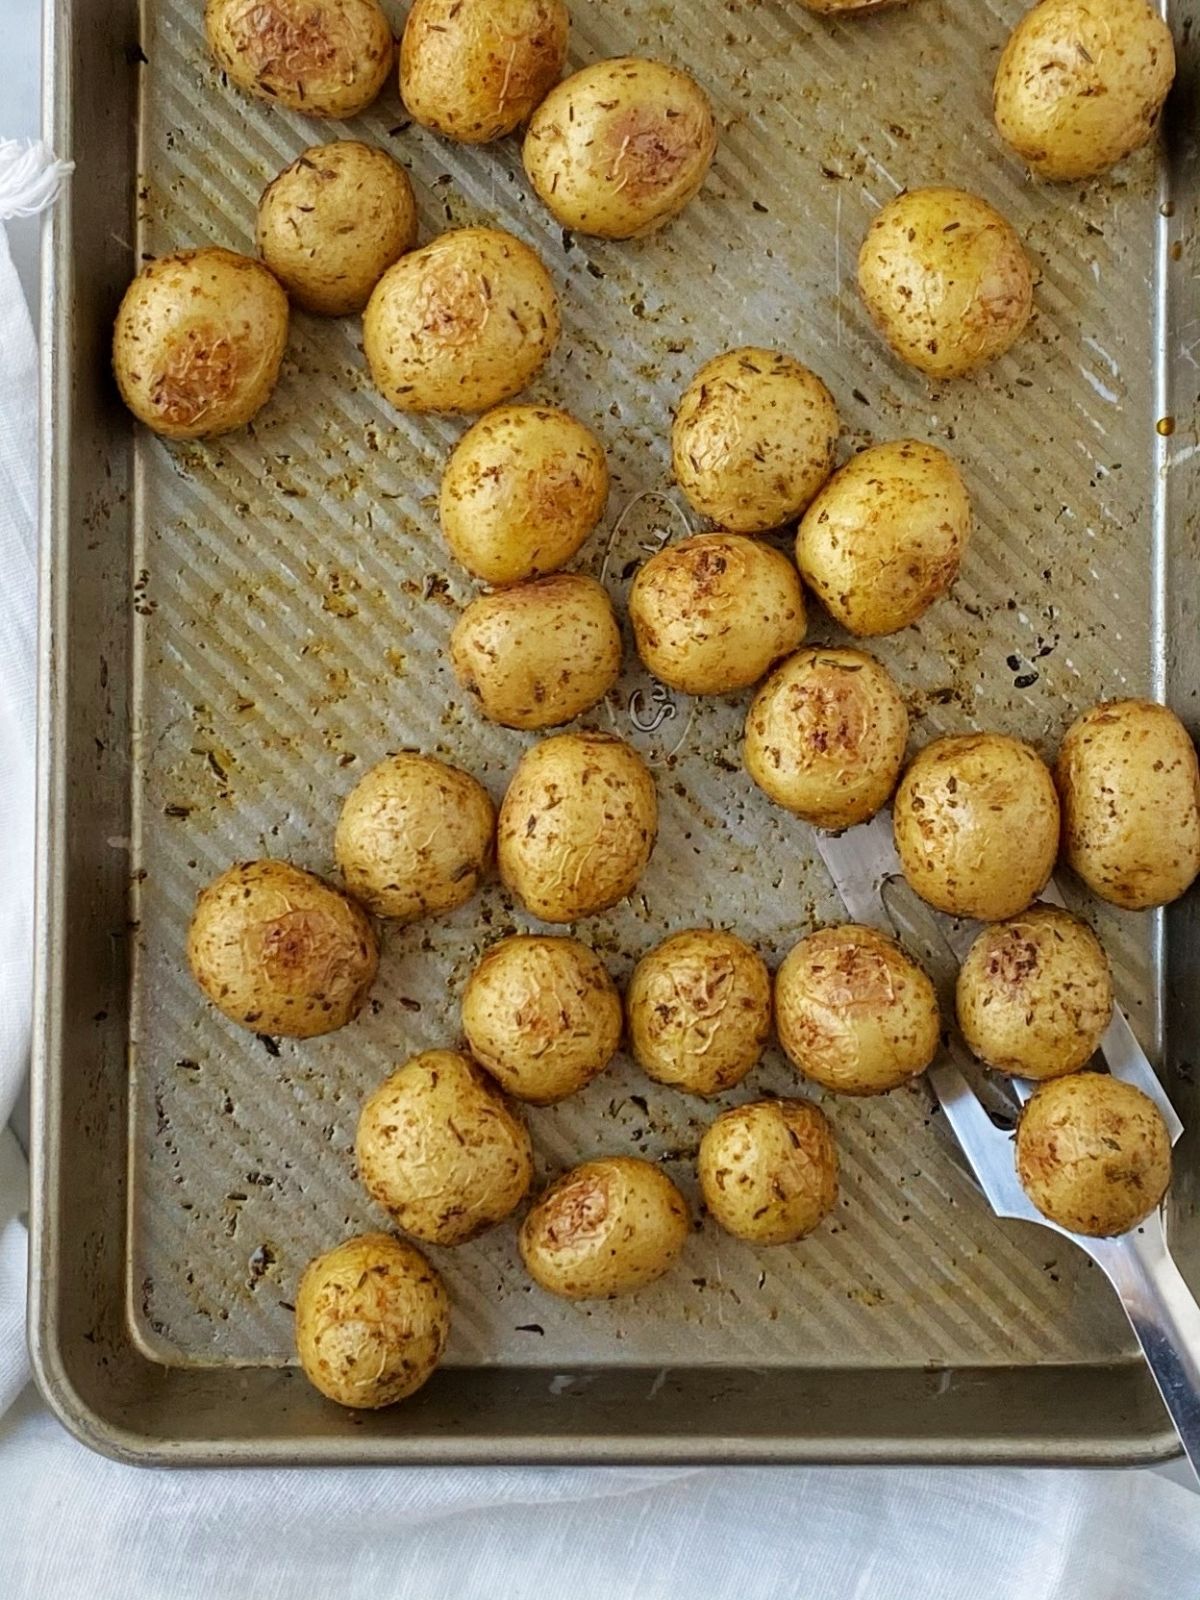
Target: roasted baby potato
{"type": "Point", "coordinates": [713, 613]}
{"type": "Point", "coordinates": [606, 1228]}
{"type": "Point", "coordinates": [1130, 790]}
{"type": "Point", "coordinates": [462, 324]}
{"type": "Point", "coordinates": [577, 825]}
{"type": "Point", "coordinates": [854, 1012]}
{"type": "Point", "coordinates": [753, 439]}
{"type": "Point", "coordinates": [439, 1147]}
{"type": "Point", "coordinates": [415, 837]}
{"type": "Point", "coordinates": [523, 489]}
{"type": "Point", "coordinates": [542, 1016]}
{"type": "Point", "coordinates": [281, 951]}
{"type": "Point", "coordinates": [699, 1009]}
{"type": "Point", "coordinates": [946, 279]}
{"type": "Point", "coordinates": [976, 823]}
{"type": "Point", "coordinates": [825, 736]}
{"type": "Point", "coordinates": [1093, 1154]}
{"type": "Point", "coordinates": [372, 1320]}
{"type": "Point", "coordinates": [768, 1171]}
{"type": "Point", "coordinates": [1081, 84]}
{"type": "Point", "coordinates": [476, 69]}
{"type": "Point", "coordinates": [1034, 995]}
{"type": "Point", "coordinates": [327, 58]}
{"type": "Point", "coordinates": [198, 342]}
{"type": "Point", "coordinates": [885, 536]}
{"type": "Point", "coordinates": [331, 224]}
{"type": "Point", "coordinates": [621, 147]}
{"type": "Point", "coordinates": [538, 654]}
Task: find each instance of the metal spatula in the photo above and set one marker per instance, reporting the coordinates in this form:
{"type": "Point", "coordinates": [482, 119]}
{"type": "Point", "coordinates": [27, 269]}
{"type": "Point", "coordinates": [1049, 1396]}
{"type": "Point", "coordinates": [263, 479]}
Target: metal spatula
{"type": "Point", "coordinates": [1161, 1308]}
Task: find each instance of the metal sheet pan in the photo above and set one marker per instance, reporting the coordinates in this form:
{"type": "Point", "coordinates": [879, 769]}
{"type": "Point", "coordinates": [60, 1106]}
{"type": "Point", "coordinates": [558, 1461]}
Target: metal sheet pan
{"type": "Point", "coordinates": [234, 630]}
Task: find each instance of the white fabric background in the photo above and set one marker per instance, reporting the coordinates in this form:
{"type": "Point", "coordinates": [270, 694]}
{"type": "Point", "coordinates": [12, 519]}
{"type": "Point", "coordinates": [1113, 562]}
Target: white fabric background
{"type": "Point", "coordinates": [73, 1525]}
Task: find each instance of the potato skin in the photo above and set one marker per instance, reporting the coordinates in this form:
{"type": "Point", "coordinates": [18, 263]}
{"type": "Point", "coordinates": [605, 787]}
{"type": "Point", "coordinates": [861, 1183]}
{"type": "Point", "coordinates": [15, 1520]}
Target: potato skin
{"type": "Point", "coordinates": [885, 537]}
{"type": "Point", "coordinates": [946, 280]}
{"type": "Point", "coordinates": [280, 951]}
{"type": "Point", "coordinates": [753, 439]}
{"type": "Point", "coordinates": [606, 1228]}
{"type": "Point", "coordinates": [415, 837]}
{"type": "Point", "coordinates": [1081, 84]}
{"type": "Point", "coordinates": [825, 736]}
{"type": "Point", "coordinates": [1130, 790]}
{"type": "Point", "coordinates": [372, 1321]}
{"type": "Point", "coordinates": [1034, 995]}
{"type": "Point", "coordinates": [1093, 1154]}
{"type": "Point", "coordinates": [198, 342]}
{"type": "Point", "coordinates": [441, 1150]}
{"type": "Point", "coordinates": [619, 148]}
{"type": "Point", "coordinates": [976, 823]}
{"type": "Point", "coordinates": [711, 614]}
{"type": "Point", "coordinates": [461, 324]}
{"type": "Point", "coordinates": [331, 224]}
{"type": "Point", "coordinates": [327, 58]}
{"type": "Point", "coordinates": [538, 654]}
{"type": "Point", "coordinates": [768, 1171]}
{"type": "Point", "coordinates": [476, 69]}
{"type": "Point", "coordinates": [522, 491]}
{"type": "Point", "coordinates": [854, 1012]}
{"type": "Point", "coordinates": [542, 1016]}
{"type": "Point", "coordinates": [699, 1009]}
{"type": "Point", "coordinates": [577, 825]}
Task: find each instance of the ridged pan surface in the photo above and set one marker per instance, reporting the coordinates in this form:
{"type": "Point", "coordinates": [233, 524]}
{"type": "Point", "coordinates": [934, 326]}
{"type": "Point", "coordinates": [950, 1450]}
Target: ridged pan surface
{"type": "Point", "coordinates": [293, 603]}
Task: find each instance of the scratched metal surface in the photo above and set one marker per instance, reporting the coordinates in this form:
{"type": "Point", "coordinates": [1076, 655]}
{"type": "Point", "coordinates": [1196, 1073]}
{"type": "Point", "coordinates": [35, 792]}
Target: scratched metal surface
{"type": "Point", "coordinates": [293, 601]}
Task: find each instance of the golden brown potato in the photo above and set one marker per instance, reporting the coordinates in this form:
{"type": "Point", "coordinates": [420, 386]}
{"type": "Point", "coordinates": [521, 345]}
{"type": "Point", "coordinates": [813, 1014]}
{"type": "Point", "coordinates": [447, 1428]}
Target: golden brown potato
{"type": "Point", "coordinates": [441, 1150]}
{"type": "Point", "coordinates": [476, 69]}
{"type": "Point", "coordinates": [281, 951]}
{"type": "Point", "coordinates": [1034, 995]}
{"type": "Point", "coordinates": [768, 1171]}
{"type": "Point", "coordinates": [523, 489]}
{"type": "Point", "coordinates": [885, 536]}
{"type": "Point", "coordinates": [976, 825]}
{"type": "Point", "coordinates": [699, 1008]}
{"type": "Point", "coordinates": [539, 653]}
{"type": "Point", "coordinates": [327, 58]}
{"type": "Point", "coordinates": [372, 1320]}
{"type": "Point", "coordinates": [198, 342]}
{"type": "Point", "coordinates": [1093, 1154]}
{"type": "Point", "coordinates": [1130, 791]}
{"type": "Point", "coordinates": [605, 1228]}
{"type": "Point", "coordinates": [825, 736]}
{"type": "Point", "coordinates": [542, 1016]}
{"type": "Point", "coordinates": [415, 837]}
{"type": "Point", "coordinates": [1081, 84]}
{"type": "Point", "coordinates": [753, 439]}
{"type": "Point", "coordinates": [331, 224]}
{"type": "Point", "coordinates": [577, 825]}
{"type": "Point", "coordinates": [713, 613]}
{"type": "Point", "coordinates": [621, 147]}
{"type": "Point", "coordinates": [946, 279]}
{"type": "Point", "coordinates": [466, 322]}
{"type": "Point", "coordinates": [855, 1012]}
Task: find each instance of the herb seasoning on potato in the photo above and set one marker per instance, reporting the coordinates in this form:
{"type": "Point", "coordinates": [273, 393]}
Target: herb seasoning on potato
{"type": "Point", "coordinates": [372, 1321]}
{"type": "Point", "coordinates": [326, 58]}
{"type": "Point", "coordinates": [440, 1148]}
{"type": "Point", "coordinates": [768, 1170]}
{"type": "Point", "coordinates": [198, 342]}
{"type": "Point", "coordinates": [606, 1228]}
{"type": "Point", "coordinates": [281, 951]}
{"type": "Point", "coordinates": [976, 824]}
{"type": "Point", "coordinates": [854, 1011]}
{"type": "Point", "coordinates": [577, 825]}
{"type": "Point", "coordinates": [476, 69]}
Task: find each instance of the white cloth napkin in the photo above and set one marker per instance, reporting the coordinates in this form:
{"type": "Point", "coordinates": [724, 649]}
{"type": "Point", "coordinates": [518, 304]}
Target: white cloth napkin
{"type": "Point", "coordinates": [74, 1525]}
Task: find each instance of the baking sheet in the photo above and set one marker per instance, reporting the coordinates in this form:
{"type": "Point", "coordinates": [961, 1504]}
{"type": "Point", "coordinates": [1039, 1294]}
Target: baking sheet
{"type": "Point", "coordinates": [287, 610]}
